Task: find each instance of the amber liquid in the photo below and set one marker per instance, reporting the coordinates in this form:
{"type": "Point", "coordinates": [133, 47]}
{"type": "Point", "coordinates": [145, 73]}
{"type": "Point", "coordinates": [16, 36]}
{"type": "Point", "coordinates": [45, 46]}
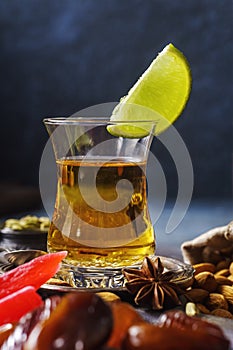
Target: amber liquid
{"type": "Point", "coordinates": [99, 219]}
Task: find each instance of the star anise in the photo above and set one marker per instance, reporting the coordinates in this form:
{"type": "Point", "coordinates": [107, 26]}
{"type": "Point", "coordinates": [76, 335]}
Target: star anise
{"type": "Point", "coordinates": [151, 285]}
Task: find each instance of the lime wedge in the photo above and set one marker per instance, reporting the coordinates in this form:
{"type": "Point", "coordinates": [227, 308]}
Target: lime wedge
{"type": "Point", "coordinates": [128, 131]}
{"type": "Point", "coordinates": [163, 90]}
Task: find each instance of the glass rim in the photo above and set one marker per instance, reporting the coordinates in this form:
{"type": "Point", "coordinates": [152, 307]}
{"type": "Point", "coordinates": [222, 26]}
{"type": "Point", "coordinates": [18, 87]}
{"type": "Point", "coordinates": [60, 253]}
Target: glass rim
{"type": "Point", "coordinates": [92, 120]}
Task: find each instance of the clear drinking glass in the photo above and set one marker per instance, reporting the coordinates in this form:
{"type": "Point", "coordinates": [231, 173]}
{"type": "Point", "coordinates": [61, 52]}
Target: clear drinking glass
{"type": "Point", "coordinates": [101, 212]}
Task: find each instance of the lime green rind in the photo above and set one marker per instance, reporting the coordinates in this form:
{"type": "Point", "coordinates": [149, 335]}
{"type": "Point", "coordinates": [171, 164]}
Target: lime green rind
{"type": "Point", "coordinates": [163, 88]}
{"type": "Point", "coordinates": [127, 130]}
{"type": "Point", "coordinates": [160, 72]}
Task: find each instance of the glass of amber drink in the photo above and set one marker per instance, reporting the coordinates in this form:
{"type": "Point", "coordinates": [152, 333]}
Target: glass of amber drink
{"type": "Point", "coordinates": [101, 215]}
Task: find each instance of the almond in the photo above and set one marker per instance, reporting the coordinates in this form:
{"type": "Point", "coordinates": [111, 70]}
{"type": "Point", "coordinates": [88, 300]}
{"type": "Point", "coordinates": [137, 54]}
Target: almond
{"type": "Point", "coordinates": [231, 268]}
{"type": "Point", "coordinates": [230, 278]}
{"type": "Point", "coordinates": [187, 283]}
{"type": "Point", "coordinates": [223, 264]}
{"type": "Point", "coordinates": [222, 313]}
{"type": "Point", "coordinates": [203, 309]}
{"type": "Point", "coordinates": [196, 295]}
{"type": "Point", "coordinates": [223, 272]}
{"type": "Point", "coordinates": [205, 280]}
{"type": "Point", "coordinates": [108, 296]}
{"type": "Point", "coordinates": [216, 301]}
{"type": "Point", "coordinates": [203, 267]}
{"type": "Point", "coordinates": [223, 280]}
{"type": "Point", "coordinates": [227, 292]}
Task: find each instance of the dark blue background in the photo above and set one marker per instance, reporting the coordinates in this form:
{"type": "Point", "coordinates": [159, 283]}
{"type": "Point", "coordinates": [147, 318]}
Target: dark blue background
{"type": "Point", "coordinates": [58, 57]}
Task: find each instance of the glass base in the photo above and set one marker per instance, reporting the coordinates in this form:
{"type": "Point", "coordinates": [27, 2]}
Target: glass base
{"type": "Point", "coordinates": [113, 278]}
{"type": "Point", "coordinates": [92, 277]}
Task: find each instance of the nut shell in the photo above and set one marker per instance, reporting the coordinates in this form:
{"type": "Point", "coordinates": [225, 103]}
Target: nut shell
{"type": "Point", "coordinates": [196, 295]}
{"type": "Point", "coordinates": [223, 272]}
{"type": "Point", "coordinates": [216, 301]}
{"type": "Point", "coordinates": [206, 280]}
{"type": "Point", "coordinates": [203, 267]}
{"type": "Point", "coordinates": [227, 292]}
{"type": "Point", "coordinates": [203, 309]}
{"type": "Point", "coordinates": [222, 313]}
{"type": "Point", "coordinates": [222, 280]}
{"type": "Point", "coordinates": [223, 264]}
{"type": "Point", "coordinates": [230, 278]}
{"type": "Point", "coordinates": [108, 296]}
{"type": "Point", "coordinates": [231, 268]}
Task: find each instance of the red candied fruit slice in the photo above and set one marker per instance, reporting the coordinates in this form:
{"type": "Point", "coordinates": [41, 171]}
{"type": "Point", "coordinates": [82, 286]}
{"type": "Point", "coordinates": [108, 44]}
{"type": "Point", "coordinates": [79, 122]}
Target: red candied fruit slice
{"type": "Point", "coordinates": [33, 273]}
{"type": "Point", "coordinates": [15, 305]}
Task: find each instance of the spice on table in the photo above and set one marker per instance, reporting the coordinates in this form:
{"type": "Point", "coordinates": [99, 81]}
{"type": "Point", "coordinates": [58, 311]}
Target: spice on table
{"type": "Point", "coordinates": [211, 292]}
{"type": "Point", "coordinates": [152, 285]}
{"type": "Point", "coordinates": [27, 223]}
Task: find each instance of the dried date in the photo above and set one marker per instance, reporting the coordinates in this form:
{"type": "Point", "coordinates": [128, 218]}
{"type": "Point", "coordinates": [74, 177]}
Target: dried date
{"type": "Point", "coordinates": [80, 321]}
